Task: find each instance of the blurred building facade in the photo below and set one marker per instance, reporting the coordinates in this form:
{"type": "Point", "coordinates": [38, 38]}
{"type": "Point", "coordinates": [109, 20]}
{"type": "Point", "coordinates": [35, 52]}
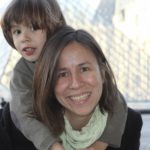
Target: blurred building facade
{"type": "Point", "coordinates": [115, 24]}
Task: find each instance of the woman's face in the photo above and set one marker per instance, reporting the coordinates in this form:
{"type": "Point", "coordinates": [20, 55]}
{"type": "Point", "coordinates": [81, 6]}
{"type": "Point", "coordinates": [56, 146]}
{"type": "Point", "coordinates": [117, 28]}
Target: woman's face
{"type": "Point", "coordinates": [79, 81]}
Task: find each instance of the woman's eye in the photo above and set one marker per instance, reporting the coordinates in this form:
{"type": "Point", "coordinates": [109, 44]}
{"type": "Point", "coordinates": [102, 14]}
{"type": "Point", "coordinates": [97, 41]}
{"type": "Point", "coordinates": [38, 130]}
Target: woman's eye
{"type": "Point", "coordinates": [84, 69]}
{"type": "Point", "coordinates": [63, 74]}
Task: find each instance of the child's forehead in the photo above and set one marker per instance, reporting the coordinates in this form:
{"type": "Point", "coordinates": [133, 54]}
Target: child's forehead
{"type": "Point", "coordinates": [26, 23]}
{"type": "Point", "coordinates": [16, 24]}
{"type": "Point", "coordinates": [24, 19]}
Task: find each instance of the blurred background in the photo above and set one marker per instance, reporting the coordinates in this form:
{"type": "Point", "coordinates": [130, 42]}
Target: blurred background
{"type": "Point", "coordinates": [122, 28]}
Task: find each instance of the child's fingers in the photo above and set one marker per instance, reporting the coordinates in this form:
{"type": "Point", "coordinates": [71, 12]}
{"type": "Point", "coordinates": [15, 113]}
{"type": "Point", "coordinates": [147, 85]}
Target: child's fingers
{"type": "Point", "coordinates": [86, 148]}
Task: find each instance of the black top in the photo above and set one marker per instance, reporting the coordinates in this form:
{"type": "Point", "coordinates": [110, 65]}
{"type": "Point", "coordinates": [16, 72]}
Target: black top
{"type": "Point", "coordinates": [132, 133]}
{"type": "Point", "coordinates": [12, 139]}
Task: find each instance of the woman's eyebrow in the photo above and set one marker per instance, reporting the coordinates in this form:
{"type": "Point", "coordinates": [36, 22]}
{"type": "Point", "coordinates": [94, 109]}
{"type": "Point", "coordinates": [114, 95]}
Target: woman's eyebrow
{"type": "Point", "coordinates": [61, 69]}
{"type": "Point", "coordinates": [81, 64]}
{"type": "Point", "coordinates": [84, 63]}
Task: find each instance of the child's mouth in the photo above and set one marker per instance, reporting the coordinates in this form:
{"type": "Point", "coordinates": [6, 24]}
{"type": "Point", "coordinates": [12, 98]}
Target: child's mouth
{"type": "Point", "coordinates": [29, 51]}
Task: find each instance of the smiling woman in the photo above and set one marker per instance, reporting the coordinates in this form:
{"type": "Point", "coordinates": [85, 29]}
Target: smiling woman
{"type": "Point", "coordinates": [79, 84]}
{"type": "Point", "coordinates": [75, 92]}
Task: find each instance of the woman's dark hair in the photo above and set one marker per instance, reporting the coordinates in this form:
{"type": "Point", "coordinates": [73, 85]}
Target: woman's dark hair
{"type": "Point", "coordinates": [46, 106]}
{"type": "Point", "coordinates": [42, 14]}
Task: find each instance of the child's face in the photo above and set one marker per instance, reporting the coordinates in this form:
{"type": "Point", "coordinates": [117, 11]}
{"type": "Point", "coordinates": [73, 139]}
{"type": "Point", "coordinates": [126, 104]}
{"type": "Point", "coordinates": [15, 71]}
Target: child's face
{"type": "Point", "coordinates": [28, 41]}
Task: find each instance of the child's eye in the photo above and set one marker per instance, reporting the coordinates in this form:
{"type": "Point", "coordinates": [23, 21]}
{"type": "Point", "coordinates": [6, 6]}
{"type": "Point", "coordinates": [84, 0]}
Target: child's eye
{"type": "Point", "coordinates": [34, 27]}
{"type": "Point", "coordinates": [16, 32]}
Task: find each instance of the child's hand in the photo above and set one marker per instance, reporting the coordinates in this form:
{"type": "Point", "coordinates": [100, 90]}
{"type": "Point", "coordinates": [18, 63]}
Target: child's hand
{"type": "Point", "coordinates": [57, 146]}
{"type": "Point", "coordinates": [90, 148]}
{"type": "Point", "coordinates": [96, 146]}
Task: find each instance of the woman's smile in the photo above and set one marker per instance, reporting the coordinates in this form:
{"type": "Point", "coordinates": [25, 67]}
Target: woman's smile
{"type": "Point", "coordinates": [80, 99]}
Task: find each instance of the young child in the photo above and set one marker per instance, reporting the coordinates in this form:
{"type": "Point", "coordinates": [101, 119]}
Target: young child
{"type": "Point", "coordinates": [27, 25]}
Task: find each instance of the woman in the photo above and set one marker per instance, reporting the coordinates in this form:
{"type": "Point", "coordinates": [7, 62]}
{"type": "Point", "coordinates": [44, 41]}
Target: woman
{"type": "Point", "coordinates": [75, 92]}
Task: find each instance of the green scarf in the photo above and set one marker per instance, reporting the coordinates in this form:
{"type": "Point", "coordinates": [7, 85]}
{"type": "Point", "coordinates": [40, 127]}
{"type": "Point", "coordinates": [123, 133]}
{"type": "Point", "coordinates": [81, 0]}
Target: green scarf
{"type": "Point", "coordinates": [73, 139]}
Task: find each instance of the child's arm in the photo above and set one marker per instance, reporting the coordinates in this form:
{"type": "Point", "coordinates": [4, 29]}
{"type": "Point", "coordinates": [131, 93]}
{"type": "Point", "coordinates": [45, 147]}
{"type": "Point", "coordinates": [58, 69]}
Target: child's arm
{"type": "Point", "coordinates": [21, 105]}
{"type": "Point", "coordinates": [116, 124]}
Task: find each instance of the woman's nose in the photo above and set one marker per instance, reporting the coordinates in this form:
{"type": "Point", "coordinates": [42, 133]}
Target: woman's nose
{"type": "Point", "coordinates": [76, 81]}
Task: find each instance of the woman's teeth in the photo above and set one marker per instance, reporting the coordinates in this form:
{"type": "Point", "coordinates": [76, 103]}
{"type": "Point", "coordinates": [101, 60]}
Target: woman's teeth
{"type": "Point", "coordinates": [80, 97]}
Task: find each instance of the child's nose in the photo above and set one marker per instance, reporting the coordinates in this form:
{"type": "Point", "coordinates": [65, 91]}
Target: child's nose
{"type": "Point", "coordinates": [25, 36]}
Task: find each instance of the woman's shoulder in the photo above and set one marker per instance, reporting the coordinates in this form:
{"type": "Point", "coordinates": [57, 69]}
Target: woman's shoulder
{"type": "Point", "coordinates": [134, 119]}
{"type": "Point", "coordinates": [132, 133]}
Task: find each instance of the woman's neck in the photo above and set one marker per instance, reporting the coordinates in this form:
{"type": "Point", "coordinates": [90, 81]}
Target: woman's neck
{"type": "Point", "coordinates": [78, 122]}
